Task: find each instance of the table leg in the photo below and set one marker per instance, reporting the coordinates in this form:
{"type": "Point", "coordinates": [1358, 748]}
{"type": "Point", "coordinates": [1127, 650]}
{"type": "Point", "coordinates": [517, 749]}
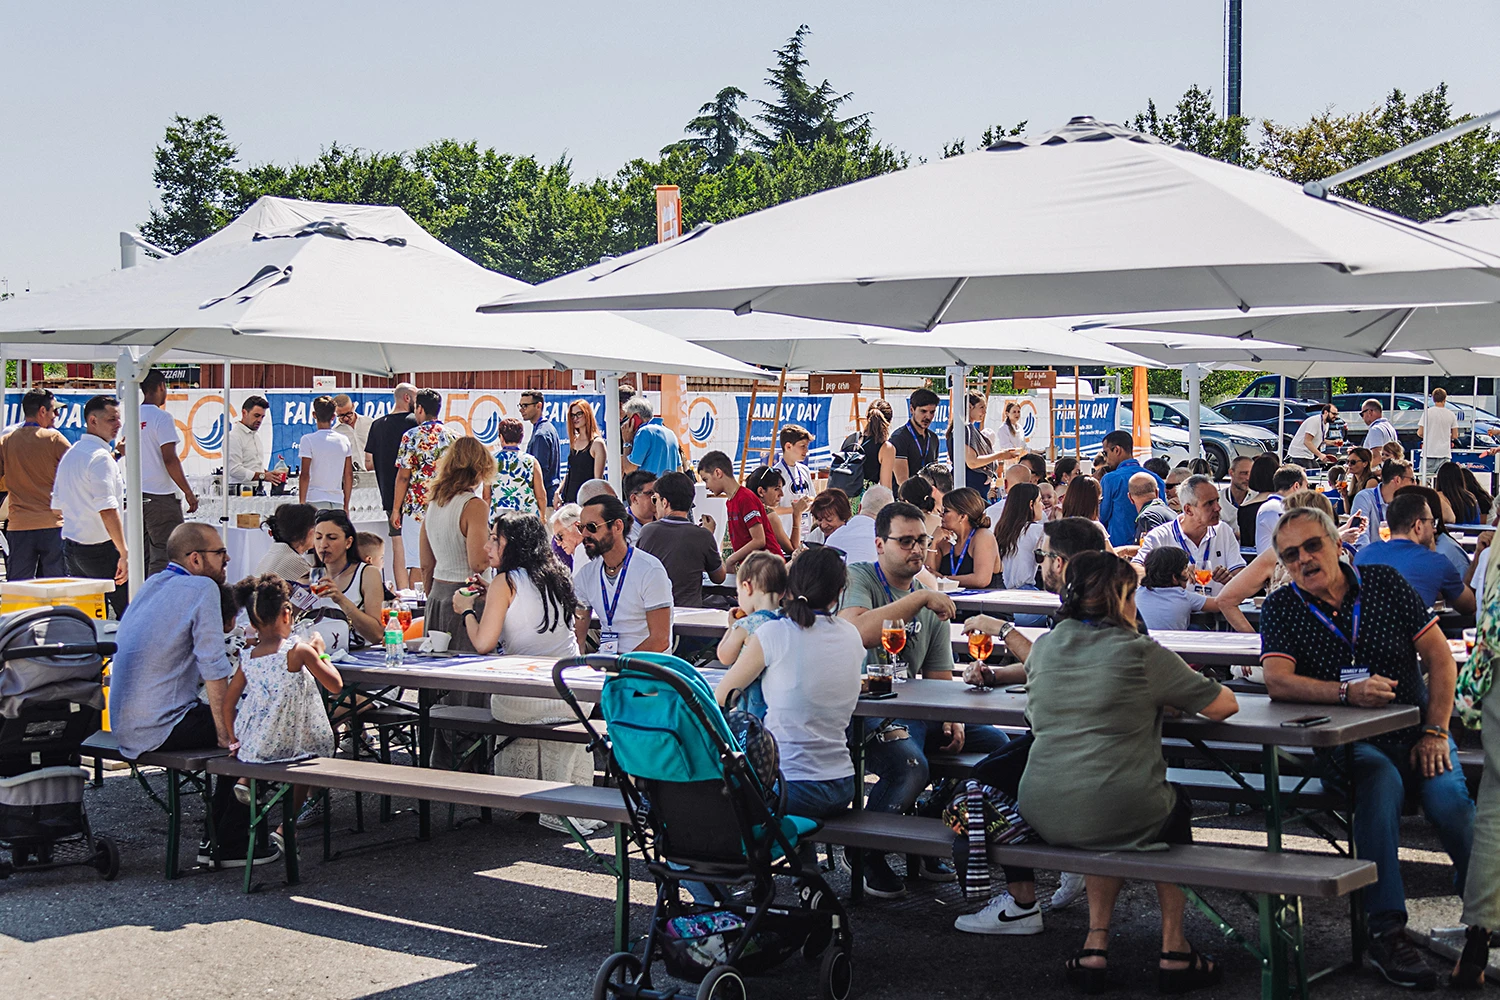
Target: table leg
{"type": "Point", "coordinates": [289, 837]}
{"type": "Point", "coordinates": [622, 889]}
{"type": "Point", "coordinates": [1271, 773]}
{"type": "Point", "coordinates": [425, 699]}
{"type": "Point", "coordinates": [855, 859]}
{"type": "Point", "coordinates": [174, 821]}
{"type": "Point", "coordinates": [1358, 924]}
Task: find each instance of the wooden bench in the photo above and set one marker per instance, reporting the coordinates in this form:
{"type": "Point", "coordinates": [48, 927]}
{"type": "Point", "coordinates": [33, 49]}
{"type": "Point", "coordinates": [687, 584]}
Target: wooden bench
{"type": "Point", "coordinates": [190, 766]}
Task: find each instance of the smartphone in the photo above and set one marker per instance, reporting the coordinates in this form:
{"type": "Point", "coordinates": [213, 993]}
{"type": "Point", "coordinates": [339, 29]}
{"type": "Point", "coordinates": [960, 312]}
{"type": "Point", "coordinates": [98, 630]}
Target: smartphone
{"type": "Point", "coordinates": [1016, 689]}
{"type": "Point", "coordinates": [1307, 721]}
{"type": "Point", "coordinates": [878, 697]}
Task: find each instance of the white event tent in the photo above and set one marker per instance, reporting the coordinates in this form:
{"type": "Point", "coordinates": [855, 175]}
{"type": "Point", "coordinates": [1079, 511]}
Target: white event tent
{"type": "Point", "coordinates": [347, 287]}
{"type": "Point", "coordinates": [1088, 220]}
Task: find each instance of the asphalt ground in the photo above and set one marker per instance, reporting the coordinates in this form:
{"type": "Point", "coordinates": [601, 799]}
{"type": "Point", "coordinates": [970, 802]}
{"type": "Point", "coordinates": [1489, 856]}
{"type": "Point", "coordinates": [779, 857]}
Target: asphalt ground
{"type": "Point", "coordinates": [511, 909]}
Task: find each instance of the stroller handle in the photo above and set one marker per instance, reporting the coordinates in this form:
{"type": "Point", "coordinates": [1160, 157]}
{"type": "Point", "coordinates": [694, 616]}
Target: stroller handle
{"type": "Point", "coordinates": [59, 649]}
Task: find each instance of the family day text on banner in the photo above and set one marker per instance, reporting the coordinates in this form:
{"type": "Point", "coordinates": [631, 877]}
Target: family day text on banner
{"type": "Point", "coordinates": [715, 420]}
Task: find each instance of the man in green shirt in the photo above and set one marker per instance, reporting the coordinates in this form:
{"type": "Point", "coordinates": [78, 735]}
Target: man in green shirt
{"type": "Point", "coordinates": [882, 591]}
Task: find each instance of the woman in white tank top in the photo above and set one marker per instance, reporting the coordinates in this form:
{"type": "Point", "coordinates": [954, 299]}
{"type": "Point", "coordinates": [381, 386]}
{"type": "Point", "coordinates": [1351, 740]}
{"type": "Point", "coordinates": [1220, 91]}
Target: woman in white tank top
{"type": "Point", "coordinates": [454, 532]}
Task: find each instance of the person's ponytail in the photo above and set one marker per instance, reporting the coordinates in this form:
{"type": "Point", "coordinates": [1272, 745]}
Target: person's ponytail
{"type": "Point", "coordinates": [814, 582]}
{"type": "Point", "coordinates": [798, 610]}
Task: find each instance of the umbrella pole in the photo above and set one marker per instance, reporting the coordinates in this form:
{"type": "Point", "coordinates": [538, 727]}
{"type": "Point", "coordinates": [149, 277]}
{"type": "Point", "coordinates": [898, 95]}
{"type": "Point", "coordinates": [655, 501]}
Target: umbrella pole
{"type": "Point", "coordinates": [1281, 420]}
{"type": "Point", "coordinates": [957, 456]}
{"type": "Point", "coordinates": [612, 432]}
{"type": "Point", "coordinates": [224, 454]}
{"type": "Point", "coordinates": [127, 379]}
{"type": "Point", "coordinates": [1195, 428]}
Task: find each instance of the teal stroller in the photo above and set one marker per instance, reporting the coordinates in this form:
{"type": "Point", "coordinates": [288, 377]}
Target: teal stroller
{"type": "Point", "coordinates": [700, 814]}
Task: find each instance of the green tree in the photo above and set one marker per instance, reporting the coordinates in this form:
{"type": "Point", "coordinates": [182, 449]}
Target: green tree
{"type": "Point", "coordinates": [1459, 174]}
{"type": "Point", "coordinates": [195, 174]}
{"type": "Point", "coordinates": [1197, 126]}
{"type": "Point", "coordinates": [801, 112]}
{"type": "Point", "coordinates": [719, 128]}
{"type": "Point", "coordinates": [988, 138]}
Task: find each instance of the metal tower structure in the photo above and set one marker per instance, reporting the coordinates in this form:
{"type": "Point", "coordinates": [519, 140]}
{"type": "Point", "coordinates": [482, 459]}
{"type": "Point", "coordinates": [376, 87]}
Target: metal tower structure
{"type": "Point", "coordinates": [1232, 54]}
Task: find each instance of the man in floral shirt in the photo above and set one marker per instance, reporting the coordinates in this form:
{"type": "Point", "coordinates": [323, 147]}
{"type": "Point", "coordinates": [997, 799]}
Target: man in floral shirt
{"type": "Point", "coordinates": [416, 467]}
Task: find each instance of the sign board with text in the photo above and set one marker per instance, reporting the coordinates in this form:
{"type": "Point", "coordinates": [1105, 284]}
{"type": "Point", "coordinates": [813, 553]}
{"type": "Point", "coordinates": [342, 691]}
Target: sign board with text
{"type": "Point", "coordinates": [828, 385]}
{"type": "Point", "coordinates": [1026, 379]}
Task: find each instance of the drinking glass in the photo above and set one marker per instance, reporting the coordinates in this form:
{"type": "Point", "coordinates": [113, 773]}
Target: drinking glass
{"type": "Point", "coordinates": [878, 678]}
{"type": "Point", "coordinates": [1204, 576]}
{"type": "Point", "coordinates": [981, 644]}
{"type": "Point", "coordinates": [1385, 532]}
{"type": "Point", "coordinates": [893, 640]}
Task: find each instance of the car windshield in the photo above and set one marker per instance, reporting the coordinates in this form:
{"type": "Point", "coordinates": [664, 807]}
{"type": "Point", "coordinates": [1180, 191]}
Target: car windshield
{"type": "Point", "coordinates": [1208, 415]}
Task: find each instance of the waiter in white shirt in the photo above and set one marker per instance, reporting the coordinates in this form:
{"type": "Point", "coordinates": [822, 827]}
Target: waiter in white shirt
{"type": "Point", "coordinates": [1199, 531]}
{"type": "Point", "coordinates": [246, 462]}
{"type": "Point", "coordinates": [161, 472]}
{"type": "Point", "coordinates": [1307, 443]}
{"type": "Point", "coordinates": [1438, 430]}
{"type": "Point", "coordinates": [89, 492]}
{"type": "Point", "coordinates": [353, 425]}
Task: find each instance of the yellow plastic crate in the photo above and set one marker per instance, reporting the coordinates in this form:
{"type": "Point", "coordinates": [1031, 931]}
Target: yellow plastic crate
{"type": "Point", "coordinates": [83, 594]}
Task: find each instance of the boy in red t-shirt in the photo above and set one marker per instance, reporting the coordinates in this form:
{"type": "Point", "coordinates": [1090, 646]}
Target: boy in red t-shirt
{"type": "Point", "coordinates": [747, 515]}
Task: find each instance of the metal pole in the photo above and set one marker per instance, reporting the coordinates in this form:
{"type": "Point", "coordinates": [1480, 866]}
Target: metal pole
{"type": "Point", "coordinates": [1281, 421]}
{"type": "Point", "coordinates": [224, 453]}
{"type": "Point", "coordinates": [957, 404]}
{"type": "Point", "coordinates": [613, 442]}
{"type": "Point", "coordinates": [127, 381]}
{"type": "Point", "coordinates": [1426, 401]}
{"type": "Point", "coordinates": [1195, 430]}
{"type": "Point", "coordinates": [1233, 53]}
{"type": "Point", "coordinates": [1320, 189]}
{"type": "Point", "coordinates": [1077, 417]}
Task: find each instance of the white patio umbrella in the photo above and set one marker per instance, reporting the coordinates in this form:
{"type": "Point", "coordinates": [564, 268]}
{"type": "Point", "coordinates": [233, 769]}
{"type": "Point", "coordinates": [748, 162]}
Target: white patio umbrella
{"type": "Point", "coordinates": [1410, 326]}
{"type": "Point", "coordinates": [347, 287]}
{"type": "Point", "coordinates": [1091, 219]}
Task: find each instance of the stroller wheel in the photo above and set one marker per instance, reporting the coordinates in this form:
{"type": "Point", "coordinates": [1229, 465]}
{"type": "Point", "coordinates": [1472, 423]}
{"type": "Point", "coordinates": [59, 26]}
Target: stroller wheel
{"type": "Point", "coordinates": [836, 977]}
{"type": "Point", "coordinates": [107, 858]}
{"type": "Point", "coordinates": [618, 969]}
{"type": "Point", "coordinates": [820, 936]}
{"type": "Point", "coordinates": [722, 983]}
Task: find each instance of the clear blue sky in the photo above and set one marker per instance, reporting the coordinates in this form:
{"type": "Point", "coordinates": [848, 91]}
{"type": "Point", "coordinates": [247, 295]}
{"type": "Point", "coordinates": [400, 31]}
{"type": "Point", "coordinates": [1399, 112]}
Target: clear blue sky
{"type": "Point", "coordinates": [86, 89]}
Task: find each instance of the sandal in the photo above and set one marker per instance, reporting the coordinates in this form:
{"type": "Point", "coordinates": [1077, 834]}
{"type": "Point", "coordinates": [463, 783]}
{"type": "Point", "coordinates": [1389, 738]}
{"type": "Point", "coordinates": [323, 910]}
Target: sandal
{"type": "Point", "coordinates": [1086, 978]}
{"type": "Point", "coordinates": [1201, 971]}
{"type": "Point", "coordinates": [1471, 964]}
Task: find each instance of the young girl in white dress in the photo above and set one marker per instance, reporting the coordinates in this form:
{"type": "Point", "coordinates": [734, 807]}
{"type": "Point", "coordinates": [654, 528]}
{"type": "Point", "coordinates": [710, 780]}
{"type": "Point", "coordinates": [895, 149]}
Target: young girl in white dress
{"type": "Point", "coordinates": [275, 713]}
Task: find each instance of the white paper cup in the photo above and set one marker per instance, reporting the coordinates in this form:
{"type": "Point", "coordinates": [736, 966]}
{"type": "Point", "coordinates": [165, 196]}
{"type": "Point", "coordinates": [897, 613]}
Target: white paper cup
{"type": "Point", "coordinates": [437, 642]}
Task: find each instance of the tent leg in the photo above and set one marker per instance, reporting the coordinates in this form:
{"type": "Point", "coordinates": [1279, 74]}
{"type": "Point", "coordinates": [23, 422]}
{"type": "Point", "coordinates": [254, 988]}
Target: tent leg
{"type": "Point", "coordinates": [613, 444]}
{"type": "Point", "coordinates": [1195, 430]}
{"type": "Point", "coordinates": [128, 382]}
{"type": "Point", "coordinates": [1281, 421]}
{"type": "Point", "coordinates": [224, 449]}
{"type": "Point", "coordinates": [957, 405]}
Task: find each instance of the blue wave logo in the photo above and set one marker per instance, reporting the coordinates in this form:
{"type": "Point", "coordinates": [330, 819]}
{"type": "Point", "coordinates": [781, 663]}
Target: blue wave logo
{"type": "Point", "coordinates": [490, 432]}
{"type": "Point", "coordinates": [214, 439]}
{"type": "Point", "coordinates": [1029, 423]}
{"type": "Point", "coordinates": [701, 421]}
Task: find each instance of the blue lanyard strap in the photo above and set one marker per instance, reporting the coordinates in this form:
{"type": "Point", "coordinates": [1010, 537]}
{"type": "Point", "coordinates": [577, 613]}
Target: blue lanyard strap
{"type": "Point", "coordinates": [610, 606]}
{"type": "Point", "coordinates": [1194, 554]}
{"type": "Point", "coordinates": [953, 564]}
{"type": "Point", "coordinates": [178, 570]}
{"type": "Point", "coordinates": [890, 598]}
{"type": "Point", "coordinates": [1312, 605]}
{"type": "Point", "coordinates": [920, 442]}
{"type": "Point", "coordinates": [796, 481]}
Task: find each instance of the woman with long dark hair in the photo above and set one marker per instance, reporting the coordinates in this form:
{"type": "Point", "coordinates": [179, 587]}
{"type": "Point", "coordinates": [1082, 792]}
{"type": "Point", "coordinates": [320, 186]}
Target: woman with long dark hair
{"type": "Point", "coordinates": [1449, 481]}
{"type": "Point", "coordinates": [345, 581]}
{"type": "Point", "coordinates": [1262, 471]}
{"type": "Point", "coordinates": [1095, 779]}
{"type": "Point", "coordinates": [291, 530]}
{"type": "Point", "coordinates": [1019, 534]}
{"type": "Point", "coordinates": [880, 454]}
{"type": "Point", "coordinates": [808, 662]}
{"type": "Point", "coordinates": [1481, 495]}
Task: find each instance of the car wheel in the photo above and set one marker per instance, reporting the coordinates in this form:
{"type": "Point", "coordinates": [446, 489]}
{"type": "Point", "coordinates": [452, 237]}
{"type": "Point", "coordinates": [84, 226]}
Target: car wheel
{"type": "Point", "coordinates": [1218, 459]}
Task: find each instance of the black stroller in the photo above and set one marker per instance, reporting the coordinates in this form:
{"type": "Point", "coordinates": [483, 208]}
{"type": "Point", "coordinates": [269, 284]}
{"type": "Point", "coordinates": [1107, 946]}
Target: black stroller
{"type": "Point", "coordinates": [51, 699]}
{"type": "Point", "coordinates": [699, 813]}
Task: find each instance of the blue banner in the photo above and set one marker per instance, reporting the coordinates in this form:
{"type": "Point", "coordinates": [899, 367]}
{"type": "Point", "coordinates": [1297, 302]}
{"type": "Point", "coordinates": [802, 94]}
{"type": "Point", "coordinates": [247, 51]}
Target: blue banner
{"type": "Point", "coordinates": [810, 412]}
{"type": "Point", "coordinates": [1099, 415]}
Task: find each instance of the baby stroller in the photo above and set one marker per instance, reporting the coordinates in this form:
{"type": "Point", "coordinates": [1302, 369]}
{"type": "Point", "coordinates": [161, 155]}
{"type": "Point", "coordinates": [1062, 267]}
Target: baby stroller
{"type": "Point", "coordinates": [51, 699]}
{"type": "Point", "coordinates": [699, 813]}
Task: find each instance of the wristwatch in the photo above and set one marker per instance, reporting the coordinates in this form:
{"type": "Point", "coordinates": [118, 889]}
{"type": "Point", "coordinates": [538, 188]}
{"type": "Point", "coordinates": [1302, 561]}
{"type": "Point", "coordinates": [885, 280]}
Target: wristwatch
{"type": "Point", "coordinates": [1006, 628]}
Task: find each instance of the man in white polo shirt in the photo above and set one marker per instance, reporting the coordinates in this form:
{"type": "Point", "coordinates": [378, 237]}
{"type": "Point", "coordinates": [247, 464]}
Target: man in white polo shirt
{"type": "Point", "coordinates": [89, 491]}
{"type": "Point", "coordinates": [629, 590]}
{"type": "Point", "coordinates": [1209, 542]}
{"type": "Point", "coordinates": [1307, 444]}
{"type": "Point", "coordinates": [161, 472]}
{"type": "Point", "coordinates": [1438, 430]}
{"type": "Point", "coordinates": [327, 478]}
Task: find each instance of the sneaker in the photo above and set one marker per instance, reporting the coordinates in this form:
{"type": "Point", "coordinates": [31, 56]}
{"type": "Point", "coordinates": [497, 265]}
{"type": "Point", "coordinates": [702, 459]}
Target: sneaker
{"type": "Point", "coordinates": [880, 881]}
{"type": "Point", "coordinates": [1069, 891]}
{"type": "Point", "coordinates": [242, 794]}
{"type": "Point", "coordinates": [204, 857]}
{"type": "Point", "coordinates": [1399, 961]}
{"type": "Point", "coordinates": [311, 813]}
{"type": "Point", "coordinates": [1002, 915]}
{"type": "Point", "coordinates": [584, 826]}
{"type": "Point", "coordinates": [937, 870]}
{"type": "Point", "coordinates": [264, 855]}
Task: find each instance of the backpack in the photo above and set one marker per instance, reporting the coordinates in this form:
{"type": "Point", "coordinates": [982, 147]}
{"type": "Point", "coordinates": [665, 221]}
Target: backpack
{"type": "Point", "coordinates": [847, 472]}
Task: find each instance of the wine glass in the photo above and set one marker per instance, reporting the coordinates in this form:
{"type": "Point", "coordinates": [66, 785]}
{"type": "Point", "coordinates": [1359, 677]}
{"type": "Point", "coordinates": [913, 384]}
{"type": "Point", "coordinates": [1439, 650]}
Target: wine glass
{"type": "Point", "coordinates": [893, 640]}
{"type": "Point", "coordinates": [1385, 532]}
{"type": "Point", "coordinates": [981, 644]}
{"type": "Point", "coordinates": [1204, 576]}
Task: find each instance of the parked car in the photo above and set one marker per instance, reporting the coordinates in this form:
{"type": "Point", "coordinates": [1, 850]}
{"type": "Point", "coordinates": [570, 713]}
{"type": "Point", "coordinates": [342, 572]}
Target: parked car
{"type": "Point", "coordinates": [1404, 410]}
{"type": "Point", "coordinates": [1261, 413]}
{"type": "Point", "coordinates": [1223, 440]}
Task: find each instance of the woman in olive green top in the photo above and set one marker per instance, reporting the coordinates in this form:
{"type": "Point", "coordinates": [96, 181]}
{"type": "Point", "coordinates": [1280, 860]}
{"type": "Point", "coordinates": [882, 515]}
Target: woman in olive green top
{"type": "Point", "coordinates": [1097, 691]}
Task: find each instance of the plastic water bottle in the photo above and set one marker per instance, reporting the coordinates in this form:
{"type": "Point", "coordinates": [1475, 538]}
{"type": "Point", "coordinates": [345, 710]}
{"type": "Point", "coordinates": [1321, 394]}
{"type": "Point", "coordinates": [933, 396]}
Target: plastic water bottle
{"type": "Point", "coordinates": [395, 643]}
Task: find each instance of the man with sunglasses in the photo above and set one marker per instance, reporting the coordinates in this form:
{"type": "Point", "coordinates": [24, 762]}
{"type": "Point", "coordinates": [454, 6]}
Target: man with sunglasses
{"type": "Point", "coordinates": [354, 426]}
{"type": "Point", "coordinates": [171, 639]}
{"type": "Point", "coordinates": [1344, 635]}
{"type": "Point", "coordinates": [1412, 550]}
{"type": "Point", "coordinates": [627, 589]}
{"type": "Point", "coordinates": [887, 590]}
{"type": "Point", "coordinates": [640, 499]}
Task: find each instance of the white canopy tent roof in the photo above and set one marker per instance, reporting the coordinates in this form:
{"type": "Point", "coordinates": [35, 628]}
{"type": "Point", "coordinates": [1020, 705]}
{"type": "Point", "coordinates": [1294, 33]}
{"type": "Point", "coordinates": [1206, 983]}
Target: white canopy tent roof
{"type": "Point", "coordinates": [1409, 326]}
{"type": "Point", "coordinates": [1090, 219]}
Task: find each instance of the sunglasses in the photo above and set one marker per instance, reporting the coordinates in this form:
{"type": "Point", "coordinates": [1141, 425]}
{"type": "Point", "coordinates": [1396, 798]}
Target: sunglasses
{"type": "Point", "coordinates": [909, 542]}
{"type": "Point", "coordinates": [1043, 554]}
{"type": "Point", "coordinates": [1312, 547]}
{"type": "Point", "coordinates": [593, 527]}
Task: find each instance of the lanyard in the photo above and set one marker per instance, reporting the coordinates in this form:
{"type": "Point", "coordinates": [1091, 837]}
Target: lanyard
{"type": "Point", "coordinates": [1208, 541]}
{"type": "Point", "coordinates": [890, 598]}
{"type": "Point", "coordinates": [794, 479]}
{"type": "Point", "coordinates": [610, 606]}
{"type": "Point", "coordinates": [178, 570]}
{"type": "Point", "coordinates": [1379, 505]}
{"type": "Point", "coordinates": [920, 442]}
{"type": "Point", "coordinates": [1318, 613]}
{"type": "Point", "coordinates": [953, 564]}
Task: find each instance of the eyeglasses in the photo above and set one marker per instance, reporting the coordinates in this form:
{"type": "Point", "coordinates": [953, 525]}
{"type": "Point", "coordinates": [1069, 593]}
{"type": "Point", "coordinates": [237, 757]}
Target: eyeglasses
{"type": "Point", "coordinates": [345, 417]}
{"type": "Point", "coordinates": [1312, 547]}
{"type": "Point", "coordinates": [593, 527]}
{"type": "Point", "coordinates": [217, 552]}
{"type": "Point", "coordinates": [530, 402]}
{"type": "Point", "coordinates": [909, 542]}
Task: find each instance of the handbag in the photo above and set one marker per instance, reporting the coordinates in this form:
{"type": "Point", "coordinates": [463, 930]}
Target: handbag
{"type": "Point", "coordinates": [847, 472]}
{"type": "Point", "coordinates": [1477, 674]}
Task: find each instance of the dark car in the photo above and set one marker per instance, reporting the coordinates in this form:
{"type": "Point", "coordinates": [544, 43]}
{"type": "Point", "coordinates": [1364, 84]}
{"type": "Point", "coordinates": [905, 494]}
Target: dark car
{"type": "Point", "coordinates": [1262, 413]}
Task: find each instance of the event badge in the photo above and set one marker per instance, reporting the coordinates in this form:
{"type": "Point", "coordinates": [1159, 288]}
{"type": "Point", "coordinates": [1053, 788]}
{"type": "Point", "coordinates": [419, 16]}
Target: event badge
{"type": "Point", "coordinates": [609, 642]}
{"type": "Point", "coordinates": [1352, 674]}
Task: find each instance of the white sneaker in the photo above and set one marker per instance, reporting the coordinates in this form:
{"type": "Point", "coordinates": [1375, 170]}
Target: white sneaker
{"type": "Point", "coordinates": [1002, 915]}
{"type": "Point", "coordinates": [1069, 891]}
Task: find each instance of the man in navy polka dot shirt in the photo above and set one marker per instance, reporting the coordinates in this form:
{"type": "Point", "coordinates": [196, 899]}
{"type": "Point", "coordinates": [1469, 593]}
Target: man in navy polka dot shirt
{"type": "Point", "coordinates": [1337, 635]}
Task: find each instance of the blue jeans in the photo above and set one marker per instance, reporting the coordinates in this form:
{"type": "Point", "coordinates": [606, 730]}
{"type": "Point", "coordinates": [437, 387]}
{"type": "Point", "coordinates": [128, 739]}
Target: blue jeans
{"type": "Point", "coordinates": [1029, 621]}
{"type": "Point", "coordinates": [1381, 777]}
{"type": "Point", "coordinates": [819, 799]}
{"type": "Point", "coordinates": [901, 765]}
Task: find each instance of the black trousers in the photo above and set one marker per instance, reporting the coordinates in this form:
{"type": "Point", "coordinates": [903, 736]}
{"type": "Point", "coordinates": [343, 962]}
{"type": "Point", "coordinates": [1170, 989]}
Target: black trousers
{"type": "Point", "coordinates": [34, 553]}
{"type": "Point", "coordinates": [98, 562]}
{"type": "Point", "coordinates": [231, 818]}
